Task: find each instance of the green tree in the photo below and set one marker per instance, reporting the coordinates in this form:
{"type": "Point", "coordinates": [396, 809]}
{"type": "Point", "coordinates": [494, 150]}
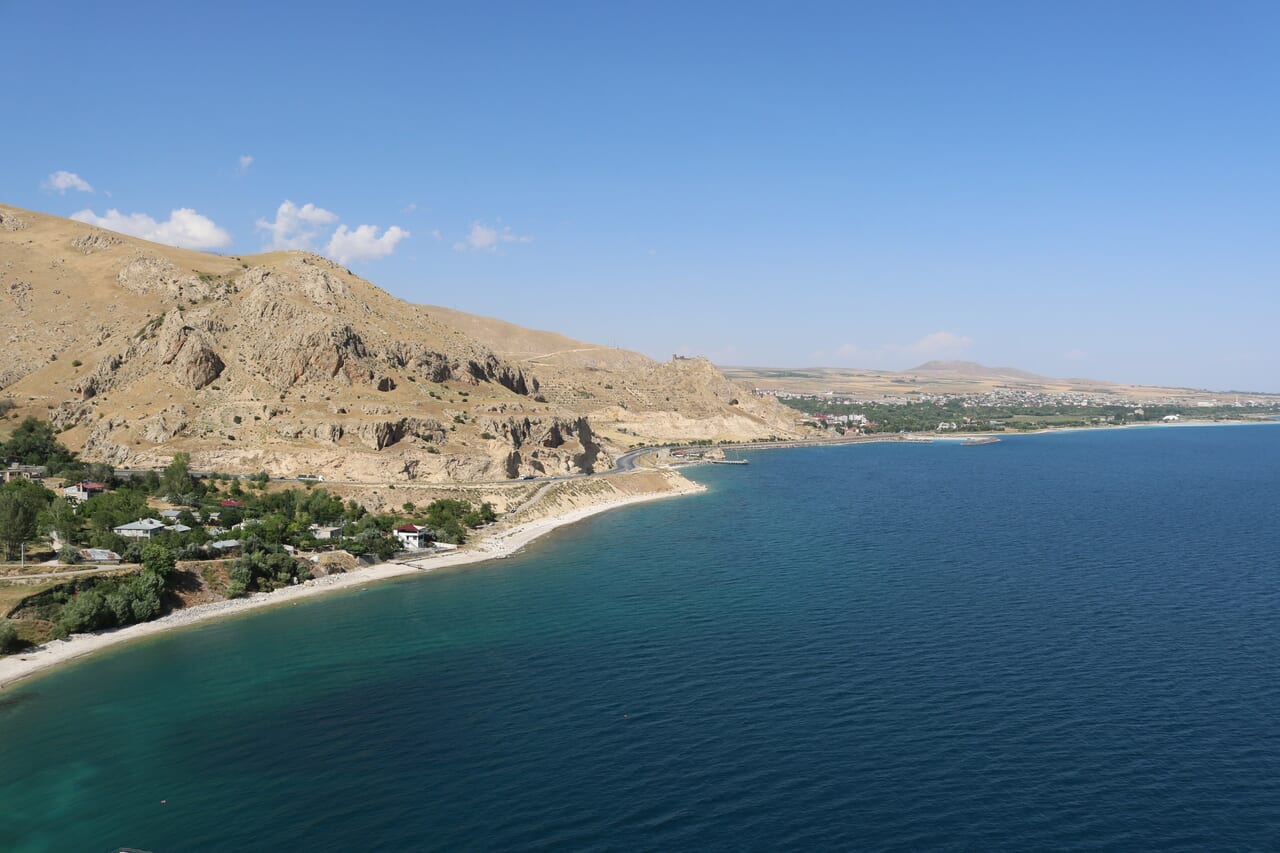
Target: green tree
{"type": "Point", "coordinates": [60, 518]}
{"type": "Point", "coordinates": [159, 560]}
{"type": "Point", "coordinates": [33, 443]}
{"type": "Point", "coordinates": [176, 480]}
{"type": "Point", "coordinates": [88, 610]}
{"type": "Point", "coordinates": [8, 635]}
{"type": "Point", "coordinates": [21, 503]}
{"type": "Point", "coordinates": [111, 509]}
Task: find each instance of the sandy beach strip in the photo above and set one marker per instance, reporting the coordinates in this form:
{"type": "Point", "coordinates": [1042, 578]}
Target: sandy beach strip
{"type": "Point", "coordinates": [495, 543]}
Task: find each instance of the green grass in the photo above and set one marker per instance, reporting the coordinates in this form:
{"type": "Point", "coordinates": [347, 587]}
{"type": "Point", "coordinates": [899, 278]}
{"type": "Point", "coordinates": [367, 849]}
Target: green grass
{"type": "Point", "coordinates": [12, 594]}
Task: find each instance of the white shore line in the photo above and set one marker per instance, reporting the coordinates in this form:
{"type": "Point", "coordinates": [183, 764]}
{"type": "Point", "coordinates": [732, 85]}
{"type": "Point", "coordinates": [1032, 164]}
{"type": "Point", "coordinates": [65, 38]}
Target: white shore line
{"type": "Point", "coordinates": [500, 542]}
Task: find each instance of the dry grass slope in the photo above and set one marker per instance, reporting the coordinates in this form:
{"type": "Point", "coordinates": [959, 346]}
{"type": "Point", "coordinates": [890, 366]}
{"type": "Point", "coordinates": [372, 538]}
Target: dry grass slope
{"type": "Point", "coordinates": [289, 363]}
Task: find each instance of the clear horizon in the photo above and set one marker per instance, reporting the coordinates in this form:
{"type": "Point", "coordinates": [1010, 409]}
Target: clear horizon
{"type": "Point", "coordinates": [1086, 191]}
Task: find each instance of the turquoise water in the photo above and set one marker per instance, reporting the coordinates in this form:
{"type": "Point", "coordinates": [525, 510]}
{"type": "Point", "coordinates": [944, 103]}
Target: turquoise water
{"type": "Point", "coordinates": [1065, 641]}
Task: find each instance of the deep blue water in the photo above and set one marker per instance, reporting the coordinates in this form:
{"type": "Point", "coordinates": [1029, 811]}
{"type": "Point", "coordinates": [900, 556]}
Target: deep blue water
{"type": "Point", "coordinates": [1067, 641]}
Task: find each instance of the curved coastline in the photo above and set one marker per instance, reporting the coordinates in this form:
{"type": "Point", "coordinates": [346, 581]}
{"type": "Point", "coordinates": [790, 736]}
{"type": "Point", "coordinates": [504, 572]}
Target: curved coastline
{"type": "Point", "coordinates": [500, 542]}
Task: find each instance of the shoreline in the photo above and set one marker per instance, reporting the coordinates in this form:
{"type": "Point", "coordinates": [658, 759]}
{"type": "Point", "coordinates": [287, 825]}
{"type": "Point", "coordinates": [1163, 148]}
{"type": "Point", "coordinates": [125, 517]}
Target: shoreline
{"type": "Point", "coordinates": [923, 437]}
{"type": "Point", "coordinates": [499, 543]}
{"type": "Point", "coordinates": [495, 544]}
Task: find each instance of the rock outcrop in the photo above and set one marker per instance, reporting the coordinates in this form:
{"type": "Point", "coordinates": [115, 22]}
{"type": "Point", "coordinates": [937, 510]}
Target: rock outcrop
{"type": "Point", "coordinates": [380, 434]}
{"type": "Point", "coordinates": [189, 350]}
{"type": "Point", "coordinates": [96, 241]}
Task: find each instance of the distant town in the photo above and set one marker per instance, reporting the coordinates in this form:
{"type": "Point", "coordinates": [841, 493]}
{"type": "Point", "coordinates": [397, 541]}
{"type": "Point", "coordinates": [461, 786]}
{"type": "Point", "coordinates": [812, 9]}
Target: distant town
{"type": "Point", "coordinates": [1008, 409]}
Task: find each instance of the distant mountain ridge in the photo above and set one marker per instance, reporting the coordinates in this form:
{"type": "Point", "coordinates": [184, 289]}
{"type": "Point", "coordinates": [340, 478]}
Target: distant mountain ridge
{"type": "Point", "coordinates": [956, 377]}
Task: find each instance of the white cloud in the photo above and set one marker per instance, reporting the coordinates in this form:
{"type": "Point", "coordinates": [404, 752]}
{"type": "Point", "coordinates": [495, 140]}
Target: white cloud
{"type": "Point", "coordinates": [409, 208]}
{"type": "Point", "coordinates": [363, 243]}
{"type": "Point", "coordinates": [296, 227]}
{"type": "Point", "coordinates": [61, 181]}
{"type": "Point", "coordinates": [435, 232]}
{"type": "Point", "coordinates": [936, 344]}
{"type": "Point", "coordinates": [482, 238]}
{"type": "Point", "coordinates": [243, 164]}
{"type": "Point", "coordinates": [184, 228]}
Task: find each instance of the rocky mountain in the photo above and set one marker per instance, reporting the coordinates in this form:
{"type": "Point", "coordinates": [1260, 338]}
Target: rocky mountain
{"type": "Point", "coordinates": [289, 363]}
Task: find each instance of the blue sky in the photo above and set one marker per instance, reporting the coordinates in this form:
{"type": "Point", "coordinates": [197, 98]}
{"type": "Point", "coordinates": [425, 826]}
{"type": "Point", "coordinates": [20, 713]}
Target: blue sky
{"type": "Point", "coordinates": [1077, 189]}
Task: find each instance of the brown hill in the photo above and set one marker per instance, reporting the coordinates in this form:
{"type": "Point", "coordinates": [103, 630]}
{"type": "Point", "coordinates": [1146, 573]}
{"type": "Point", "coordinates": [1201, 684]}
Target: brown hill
{"type": "Point", "coordinates": [973, 370]}
{"type": "Point", "coordinates": [288, 363]}
{"type": "Point", "coordinates": [953, 377]}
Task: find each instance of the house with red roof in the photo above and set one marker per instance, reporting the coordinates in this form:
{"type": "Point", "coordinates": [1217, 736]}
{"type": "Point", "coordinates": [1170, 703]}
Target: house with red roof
{"type": "Point", "coordinates": [413, 536]}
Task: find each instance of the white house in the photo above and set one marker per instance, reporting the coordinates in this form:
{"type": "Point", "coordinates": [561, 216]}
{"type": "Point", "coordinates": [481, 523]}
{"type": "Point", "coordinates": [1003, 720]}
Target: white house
{"type": "Point", "coordinates": [82, 491]}
{"type": "Point", "coordinates": [143, 528]}
{"type": "Point", "coordinates": [413, 536]}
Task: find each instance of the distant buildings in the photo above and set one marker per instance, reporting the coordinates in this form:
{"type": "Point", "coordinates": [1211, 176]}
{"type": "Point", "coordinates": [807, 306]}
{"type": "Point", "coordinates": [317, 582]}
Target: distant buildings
{"type": "Point", "coordinates": [18, 471]}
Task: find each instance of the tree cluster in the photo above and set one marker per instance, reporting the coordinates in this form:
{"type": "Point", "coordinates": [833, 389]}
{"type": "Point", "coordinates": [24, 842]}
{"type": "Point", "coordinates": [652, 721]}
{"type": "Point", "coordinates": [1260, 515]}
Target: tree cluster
{"type": "Point", "coordinates": [96, 603]}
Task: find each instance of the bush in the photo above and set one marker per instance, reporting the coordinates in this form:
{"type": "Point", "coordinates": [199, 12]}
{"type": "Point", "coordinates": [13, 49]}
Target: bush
{"type": "Point", "coordinates": [158, 559]}
{"type": "Point", "coordinates": [87, 611]}
{"type": "Point", "coordinates": [69, 554]}
{"type": "Point", "coordinates": [8, 635]}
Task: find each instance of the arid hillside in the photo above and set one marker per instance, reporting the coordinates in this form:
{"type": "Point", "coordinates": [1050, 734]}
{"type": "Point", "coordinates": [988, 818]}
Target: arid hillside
{"type": "Point", "coordinates": [957, 377]}
{"type": "Point", "coordinates": [289, 363]}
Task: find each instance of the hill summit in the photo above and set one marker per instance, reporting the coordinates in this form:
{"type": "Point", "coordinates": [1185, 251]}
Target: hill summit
{"type": "Point", "coordinates": [287, 362]}
{"type": "Point", "coordinates": [974, 370]}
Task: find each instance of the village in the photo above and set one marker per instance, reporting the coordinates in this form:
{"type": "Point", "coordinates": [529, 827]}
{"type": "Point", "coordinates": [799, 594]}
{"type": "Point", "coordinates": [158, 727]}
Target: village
{"type": "Point", "coordinates": [88, 548]}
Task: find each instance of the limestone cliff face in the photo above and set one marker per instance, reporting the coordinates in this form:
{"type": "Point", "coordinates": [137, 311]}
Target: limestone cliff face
{"type": "Point", "coordinates": [189, 350]}
{"type": "Point", "coordinates": [550, 445]}
{"type": "Point", "coordinates": [288, 362]}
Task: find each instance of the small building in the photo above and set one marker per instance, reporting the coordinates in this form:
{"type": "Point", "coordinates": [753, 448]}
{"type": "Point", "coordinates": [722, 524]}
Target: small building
{"type": "Point", "coordinates": [413, 536]}
{"type": "Point", "coordinates": [231, 503]}
{"type": "Point", "coordinates": [18, 471]}
{"type": "Point", "coordinates": [170, 514]}
{"type": "Point", "coordinates": [82, 491]}
{"type": "Point", "coordinates": [324, 533]}
{"type": "Point", "coordinates": [1171, 418]}
{"type": "Point", "coordinates": [225, 546]}
{"type": "Point", "coordinates": [101, 556]}
{"type": "Point", "coordinates": [143, 528]}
